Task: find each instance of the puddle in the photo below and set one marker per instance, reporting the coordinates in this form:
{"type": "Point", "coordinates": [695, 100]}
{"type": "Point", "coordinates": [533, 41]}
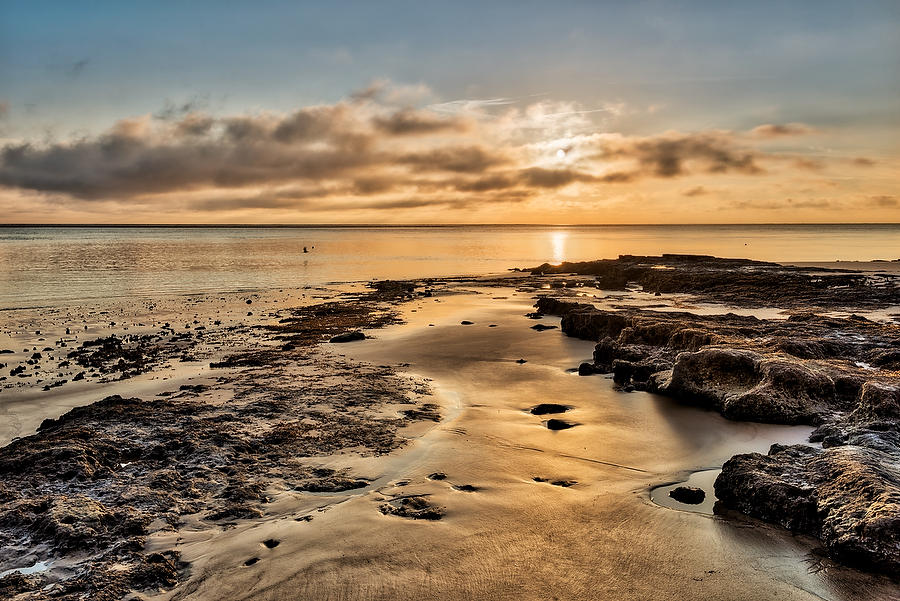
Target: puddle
{"type": "Point", "coordinates": [701, 479]}
{"type": "Point", "coordinates": [40, 566]}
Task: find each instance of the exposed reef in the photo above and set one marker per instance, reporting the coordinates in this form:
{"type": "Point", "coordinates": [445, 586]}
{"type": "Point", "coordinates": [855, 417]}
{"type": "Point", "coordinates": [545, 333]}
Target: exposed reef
{"type": "Point", "coordinates": [87, 489]}
{"type": "Point", "coordinates": [841, 374]}
{"type": "Point", "coordinates": [740, 282]}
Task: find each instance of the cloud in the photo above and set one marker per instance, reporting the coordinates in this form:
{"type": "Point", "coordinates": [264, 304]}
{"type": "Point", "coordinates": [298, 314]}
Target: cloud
{"type": "Point", "coordinates": [172, 110]}
{"type": "Point", "coordinates": [668, 155]}
{"type": "Point", "coordinates": [365, 152]}
{"type": "Point", "coordinates": [808, 164]}
{"type": "Point", "coordinates": [416, 122]}
{"type": "Point", "coordinates": [78, 67]}
{"type": "Point", "coordinates": [771, 130]}
{"type": "Point", "coordinates": [695, 191]}
{"type": "Point", "coordinates": [462, 159]}
{"type": "Point", "coordinates": [884, 201]}
{"type": "Point", "coordinates": [788, 203]}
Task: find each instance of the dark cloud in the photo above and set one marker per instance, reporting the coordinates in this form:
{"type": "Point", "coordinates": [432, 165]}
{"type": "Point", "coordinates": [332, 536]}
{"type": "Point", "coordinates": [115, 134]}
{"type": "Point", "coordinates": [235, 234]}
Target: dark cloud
{"type": "Point", "coordinates": [172, 110]}
{"type": "Point", "coordinates": [696, 191]}
{"type": "Point", "coordinates": [354, 154]}
{"type": "Point", "coordinates": [195, 124]}
{"type": "Point", "coordinates": [788, 203]}
{"type": "Point", "coordinates": [617, 177]}
{"type": "Point", "coordinates": [808, 164]}
{"type": "Point", "coordinates": [884, 201]}
{"type": "Point", "coordinates": [462, 159]}
{"type": "Point", "coordinates": [78, 67]}
{"type": "Point", "coordinates": [667, 155]}
{"type": "Point", "coordinates": [771, 130]}
{"type": "Point", "coordinates": [415, 122]}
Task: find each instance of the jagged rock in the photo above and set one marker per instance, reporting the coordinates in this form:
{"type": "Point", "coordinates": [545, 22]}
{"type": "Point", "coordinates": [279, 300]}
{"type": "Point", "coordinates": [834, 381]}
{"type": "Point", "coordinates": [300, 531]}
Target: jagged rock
{"type": "Point", "coordinates": [688, 494]}
{"type": "Point", "coordinates": [877, 401]}
{"type": "Point", "coordinates": [848, 496]}
{"type": "Point", "coordinates": [737, 281]}
{"type": "Point", "coordinates": [415, 508]}
{"type": "Point", "coordinates": [348, 337]}
{"type": "Point", "coordinates": [747, 386]}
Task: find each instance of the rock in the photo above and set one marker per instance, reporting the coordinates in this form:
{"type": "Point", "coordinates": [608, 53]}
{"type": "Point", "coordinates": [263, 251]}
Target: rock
{"type": "Point", "coordinates": [877, 401]}
{"type": "Point", "coordinates": [848, 496]}
{"type": "Point", "coordinates": [586, 369]}
{"type": "Point", "coordinates": [745, 385]}
{"type": "Point", "coordinates": [688, 494]}
{"type": "Point", "coordinates": [466, 488]}
{"type": "Point", "coordinates": [348, 337]}
{"type": "Point", "coordinates": [542, 327]}
{"type": "Point", "coordinates": [437, 476]}
{"type": "Point", "coordinates": [558, 424]}
{"type": "Point", "coordinates": [549, 408]}
{"type": "Point", "coordinates": [841, 374]}
{"type": "Point", "coordinates": [415, 508]}
{"type": "Point", "coordinates": [466, 322]}
{"type": "Point", "coordinates": [736, 281]}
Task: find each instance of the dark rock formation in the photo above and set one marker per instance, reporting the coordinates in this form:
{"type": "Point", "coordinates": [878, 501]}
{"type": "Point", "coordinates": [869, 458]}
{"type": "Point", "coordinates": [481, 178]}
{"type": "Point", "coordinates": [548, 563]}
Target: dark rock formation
{"type": "Point", "coordinates": [348, 337]}
{"type": "Point", "coordinates": [740, 366]}
{"type": "Point", "coordinates": [586, 369]}
{"type": "Point", "coordinates": [848, 496]}
{"type": "Point", "coordinates": [414, 508]}
{"type": "Point", "coordinates": [842, 374]}
{"type": "Point", "coordinates": [558, 424]}
{"type": "Point", "coordinates": [738, 281]}
{"type": "Point", "coordinates": [549, 408]}
{"type": "Point", "coordinates": [688, 494]}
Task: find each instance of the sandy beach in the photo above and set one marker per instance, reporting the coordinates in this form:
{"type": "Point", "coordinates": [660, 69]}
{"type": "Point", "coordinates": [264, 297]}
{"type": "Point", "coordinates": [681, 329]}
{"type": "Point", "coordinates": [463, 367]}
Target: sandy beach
{"type": "Point", "coordinates": [443, 394]}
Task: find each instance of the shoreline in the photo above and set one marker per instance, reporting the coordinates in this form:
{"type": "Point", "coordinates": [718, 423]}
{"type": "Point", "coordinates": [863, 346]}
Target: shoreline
{"type": "Point", "coordinates": [446, 354]}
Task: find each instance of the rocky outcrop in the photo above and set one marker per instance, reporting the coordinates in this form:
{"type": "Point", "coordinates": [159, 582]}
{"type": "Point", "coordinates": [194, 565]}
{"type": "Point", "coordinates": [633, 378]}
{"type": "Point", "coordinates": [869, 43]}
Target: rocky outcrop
{"type": "Point", "coordinates": [847, 496]}
{"type": "Point", "coordinates": [737, 281]}
{"type": "Point", "coordinates": [841, 374]}
{"type": "Point", "coordinates": [89, 487]}
{"type": "Point", "coordinates": [803, 370]}
{"type": "Point", "coordinates": [690, 495]}
{"type": "Point", "coordinates": [745, 385]}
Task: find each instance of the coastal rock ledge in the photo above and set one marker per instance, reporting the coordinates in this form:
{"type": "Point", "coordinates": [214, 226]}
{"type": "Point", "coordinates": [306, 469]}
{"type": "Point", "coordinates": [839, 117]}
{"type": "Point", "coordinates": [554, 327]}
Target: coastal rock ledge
{"type": "Point", "coordinates": [841, 374]}
{"type": "Point", "coordinates": [847, 496]}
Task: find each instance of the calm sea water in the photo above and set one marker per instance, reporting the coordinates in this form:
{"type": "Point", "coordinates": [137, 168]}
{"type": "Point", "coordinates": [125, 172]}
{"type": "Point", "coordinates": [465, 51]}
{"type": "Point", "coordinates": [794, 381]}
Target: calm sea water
{"type": "Point", "coordinates": [52, 266]}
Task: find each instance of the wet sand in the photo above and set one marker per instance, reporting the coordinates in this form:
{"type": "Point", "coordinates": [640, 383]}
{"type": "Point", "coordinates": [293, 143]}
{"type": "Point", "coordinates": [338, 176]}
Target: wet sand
{"type": "Point", "coordinates": [513, 537]}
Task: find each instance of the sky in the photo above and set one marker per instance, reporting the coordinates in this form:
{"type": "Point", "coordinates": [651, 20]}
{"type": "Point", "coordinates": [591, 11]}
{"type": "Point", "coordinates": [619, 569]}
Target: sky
{"type": "Point", "coordinates": [462, 112]}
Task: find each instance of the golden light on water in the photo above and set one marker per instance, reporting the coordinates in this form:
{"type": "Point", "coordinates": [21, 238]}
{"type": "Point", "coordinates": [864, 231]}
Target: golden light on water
{"type": "Point", "coordinates": [558, 239]}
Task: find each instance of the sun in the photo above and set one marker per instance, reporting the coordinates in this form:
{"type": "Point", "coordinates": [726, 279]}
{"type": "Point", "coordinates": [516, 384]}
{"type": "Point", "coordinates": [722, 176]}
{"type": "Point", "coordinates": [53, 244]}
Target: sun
{"type": "Point", "coordinates": [561, 154]}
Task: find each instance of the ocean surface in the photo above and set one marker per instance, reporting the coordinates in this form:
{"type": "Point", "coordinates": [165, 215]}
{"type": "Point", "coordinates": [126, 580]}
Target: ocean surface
{"type": "Point", "coordinates": [51, 266]}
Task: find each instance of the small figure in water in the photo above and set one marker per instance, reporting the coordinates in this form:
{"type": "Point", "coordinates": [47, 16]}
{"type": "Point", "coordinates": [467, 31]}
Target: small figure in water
{"type": "Point", "coordinates": [304, 250]}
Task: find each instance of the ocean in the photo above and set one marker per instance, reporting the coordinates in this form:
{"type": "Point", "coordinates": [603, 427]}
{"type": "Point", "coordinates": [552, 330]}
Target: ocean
{"type": "Point", "coordinates": [52, 266]}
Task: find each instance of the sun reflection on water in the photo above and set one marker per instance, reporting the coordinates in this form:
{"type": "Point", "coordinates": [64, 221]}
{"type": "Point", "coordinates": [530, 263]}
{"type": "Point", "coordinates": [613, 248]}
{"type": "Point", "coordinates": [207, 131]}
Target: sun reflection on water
{"type": "Point", "coordinates": [558, 239]}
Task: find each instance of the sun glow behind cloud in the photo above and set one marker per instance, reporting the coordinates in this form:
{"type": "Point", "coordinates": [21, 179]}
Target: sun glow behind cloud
{"type": "Point", "coordinates": [378, 156]}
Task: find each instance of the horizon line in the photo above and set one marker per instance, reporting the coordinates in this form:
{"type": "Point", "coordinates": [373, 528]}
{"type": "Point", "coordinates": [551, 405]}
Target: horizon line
{"type": "Point", "coordinates": [433, 225]}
